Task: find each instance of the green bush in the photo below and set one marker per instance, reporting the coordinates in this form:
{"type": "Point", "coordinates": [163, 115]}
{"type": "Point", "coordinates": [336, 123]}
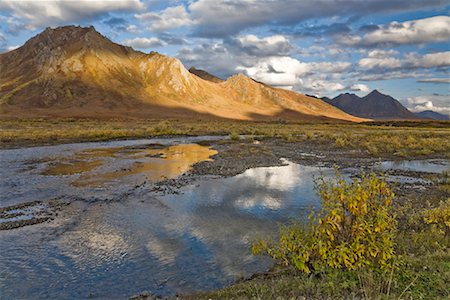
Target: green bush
{"type": "Point", "coordinates": [355, 229]}
{"type": "Point", "coordinates": [235, 136]}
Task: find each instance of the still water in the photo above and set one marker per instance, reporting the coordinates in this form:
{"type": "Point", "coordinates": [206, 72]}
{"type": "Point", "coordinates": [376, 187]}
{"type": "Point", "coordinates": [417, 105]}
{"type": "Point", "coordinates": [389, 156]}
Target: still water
{"type": "Point", "coordinates": [116, 239]}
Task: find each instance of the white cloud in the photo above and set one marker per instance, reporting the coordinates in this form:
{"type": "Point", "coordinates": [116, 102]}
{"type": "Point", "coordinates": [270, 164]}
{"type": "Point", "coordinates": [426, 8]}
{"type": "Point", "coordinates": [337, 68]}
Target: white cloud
{"type": "Point", "coordinates": [169, 18]}
{"type": "Point", "coordinates": [267, 46]}
{"type": "Point", "coordinates": [133, 29]}
{"type": "Point", "coordinates": [330, 67]}
{"type": "Point", "coordinates": [52, 12]}
{"type": "Point", "coordinates": [434, 29]}
{"type": "Point", "coordinates": [321, 86]}
{"type": "Point", "coordinates": [437, 103]}
{"type": "Point", "coordinates": [277, 71]}
{"type": "Point", "coordinates": [144, 43]}
{"type": "Point", "coordinates": [225, 17]}
{"type": "Point", "coordinates": [360, 88]}
{"type": "Point", "coordinates": [290, 73]}
{"type": "Point", "coordinates": [435, 80]}
{"type": "Point", "coordinates": [392, 74]}
{"type": "Point", "coordinates": [438, 59]}
{"type": "Point", "coordinates": [382, 53]}
{"type": "Point", "coordinates": [410, 61]}
{"type": "Point", "coordinates": [380, 63]}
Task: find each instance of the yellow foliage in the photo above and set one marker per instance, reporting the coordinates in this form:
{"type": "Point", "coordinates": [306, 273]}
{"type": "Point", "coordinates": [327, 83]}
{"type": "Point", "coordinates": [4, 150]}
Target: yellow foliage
{"type": "Point", "coordinates": [440, 217]}
{"type": "Point", "coordinates": [355, 229]}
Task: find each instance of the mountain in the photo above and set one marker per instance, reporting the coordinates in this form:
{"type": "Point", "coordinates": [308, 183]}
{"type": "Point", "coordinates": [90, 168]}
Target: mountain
{"type": "Point", "coordinates": [375, 105]}
{"type": "Point", "coordinates": [73, 71]}
{"type": "Point", "coordinates": [205, 75]}
{"type": "Point", "coordinates": [429, 114]}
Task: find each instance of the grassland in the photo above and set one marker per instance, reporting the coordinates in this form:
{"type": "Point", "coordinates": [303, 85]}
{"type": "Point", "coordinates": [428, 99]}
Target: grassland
{"type": "Point", "coordinates": [402, 139]}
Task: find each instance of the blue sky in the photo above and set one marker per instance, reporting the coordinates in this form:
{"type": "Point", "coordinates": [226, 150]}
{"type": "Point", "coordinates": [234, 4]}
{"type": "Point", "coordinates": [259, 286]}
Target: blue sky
{"type": "Point", "coordinates": [322, 47]}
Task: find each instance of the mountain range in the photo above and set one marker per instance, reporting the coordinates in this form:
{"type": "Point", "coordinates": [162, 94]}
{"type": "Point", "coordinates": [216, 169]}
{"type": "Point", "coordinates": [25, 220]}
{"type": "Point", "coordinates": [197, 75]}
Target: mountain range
{"type": "Point", "coordinates": [74, 71]}
{"type": "Point", "coordinates": [374, 105]}
{"type": "Point", "coordinates": [429, 114]}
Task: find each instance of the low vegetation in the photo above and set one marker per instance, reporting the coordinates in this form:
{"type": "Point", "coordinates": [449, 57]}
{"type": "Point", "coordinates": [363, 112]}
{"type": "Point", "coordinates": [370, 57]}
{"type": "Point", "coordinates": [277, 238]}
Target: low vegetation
{"type": "Point", "coordinates": [354, 230]}
{"type": "Point", "coordinates": [403, 139]}
{"type": "Point", "coordinates": [355, 248]}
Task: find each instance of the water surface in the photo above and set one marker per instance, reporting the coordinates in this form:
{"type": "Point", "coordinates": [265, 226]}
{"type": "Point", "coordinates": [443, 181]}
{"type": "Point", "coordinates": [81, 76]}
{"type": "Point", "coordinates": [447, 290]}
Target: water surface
{"type": "Point", "coordinates": [117, 238]}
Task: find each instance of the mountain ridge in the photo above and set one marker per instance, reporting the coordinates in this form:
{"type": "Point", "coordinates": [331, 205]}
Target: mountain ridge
{"type": "Point", "coordinates": [76, 71]}
{"type": "Point", "coordinates": [375, 105]}
{"type": "Point", "coordinates": [432, 115]}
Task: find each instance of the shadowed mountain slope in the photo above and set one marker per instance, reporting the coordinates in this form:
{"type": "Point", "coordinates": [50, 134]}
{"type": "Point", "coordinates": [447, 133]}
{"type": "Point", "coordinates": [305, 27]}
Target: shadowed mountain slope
{"type": "Point", "coordinates": [205, 75]}
{"type": "Point", "coordinates": [375, 105]}
{"type": "Point", "coordinates": [429, 114]}
{"type": "Point", "coordinates": [75, 71]}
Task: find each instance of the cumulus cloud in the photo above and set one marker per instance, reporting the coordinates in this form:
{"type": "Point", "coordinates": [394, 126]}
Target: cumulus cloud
{"type": "Point", "coordinates": [277, 71]}
{"type": "Point", "coordinates": [144, 43]}
{"type": "Point", "coordinates": [224, 58]}
{"type": "Point", "coordinates": [168, 18]}
{"type": "Point", "coordinates": [430, 60]}
{"type": "Point", "coordinates": [270, 66]}
{"type": "Point", "coordinates": [437, 103]}
{"type": "Point", "coordinates": [410, 61]}
{"type": "Point", "coordinates": [53, 12]}
{"type": "Point", "coordinates": [288, 72]}
{"type": "Point", "coordinates": [382, 53]}
{"type": "Point", "coordinates": [271, 45]}
{"type": "Point", "coordinates": [321, 86]}
{"type": "Point", "coordinates": [360, 88]}
{"type": "Point", "coordinates": [434, 29]}
{"type": "Point", "coordinates": [218, 18]}
{"type": "Point", "coordinates": [380, 63]}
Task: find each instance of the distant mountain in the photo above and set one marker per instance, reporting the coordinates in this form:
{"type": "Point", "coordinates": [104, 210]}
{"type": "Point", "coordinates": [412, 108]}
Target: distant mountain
{"type": "Point", "coordinates": [205, 75]}
{"type": "Point", "coordinates": [74, 71]}
{"type": "Point", "coordinates": [375, 105]}
{"type": "Point", "coordinates": [429, 114]}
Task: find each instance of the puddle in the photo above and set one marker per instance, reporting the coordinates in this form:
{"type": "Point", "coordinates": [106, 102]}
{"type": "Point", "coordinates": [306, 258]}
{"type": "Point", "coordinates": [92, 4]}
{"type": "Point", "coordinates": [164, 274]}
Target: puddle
{"type": "Point", "coordinates": [153, 164]}
{"type": "Point", "coordinates": [71, 167]}
{"type": "Point", "coordinates": [426, 166]}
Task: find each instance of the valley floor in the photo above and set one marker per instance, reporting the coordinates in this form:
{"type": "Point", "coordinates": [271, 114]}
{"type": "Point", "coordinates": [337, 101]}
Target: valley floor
{"type": "Point", "coordinates": [422, 267]}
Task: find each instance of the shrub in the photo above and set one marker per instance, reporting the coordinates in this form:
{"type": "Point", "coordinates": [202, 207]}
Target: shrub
{"type": "Point", "coordinates": [439, 217]}
{"type": "Point", "coordinates": [354, 229]}
{"type": "Point", "coordinates": [235, 136]}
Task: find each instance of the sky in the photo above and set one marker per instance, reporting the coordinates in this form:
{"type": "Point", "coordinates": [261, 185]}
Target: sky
{"type": "Point", "coordinates": [317, 47]}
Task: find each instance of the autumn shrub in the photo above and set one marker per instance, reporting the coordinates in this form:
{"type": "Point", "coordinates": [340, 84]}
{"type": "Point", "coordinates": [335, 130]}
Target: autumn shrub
{"type": "Point", "coordinates": [355, 229]}
{"type": "Point", "coordinates": [235, 136]}
{"type": "Point", "coordinates": [439, 217]}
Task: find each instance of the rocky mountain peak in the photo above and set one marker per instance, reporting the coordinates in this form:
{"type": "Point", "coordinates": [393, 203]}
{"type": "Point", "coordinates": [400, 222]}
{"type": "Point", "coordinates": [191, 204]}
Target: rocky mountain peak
{"type": "Point", "coordinates": [375, 93]}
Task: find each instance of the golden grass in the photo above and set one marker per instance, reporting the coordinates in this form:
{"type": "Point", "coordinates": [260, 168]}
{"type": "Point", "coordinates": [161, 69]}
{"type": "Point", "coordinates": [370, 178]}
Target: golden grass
{"type": "Point", "coordinates": [413, 139]}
